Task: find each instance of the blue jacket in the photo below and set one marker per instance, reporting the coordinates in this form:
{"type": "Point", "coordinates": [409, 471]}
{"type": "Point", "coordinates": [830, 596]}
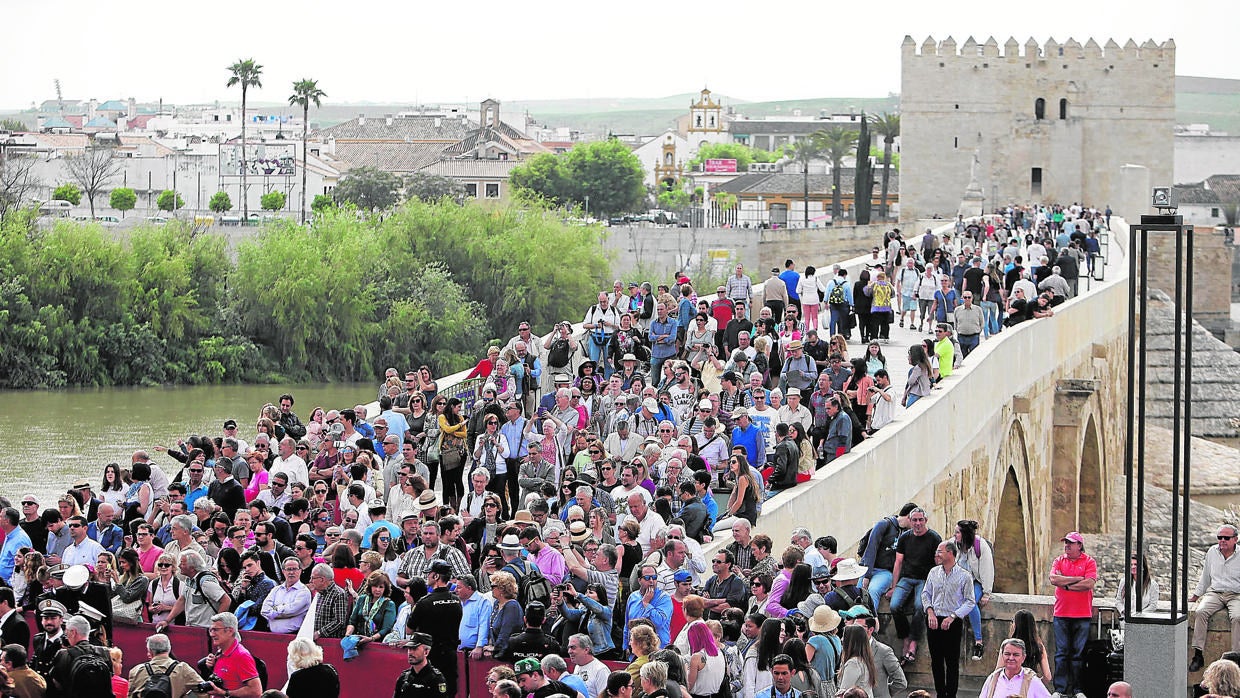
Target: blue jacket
{"type": "Point", "coordinates": [659, 612]}
{"type": "Point", "coordinates": [599, 625]}
{"type": "Point", "coordinates": [111, 539]}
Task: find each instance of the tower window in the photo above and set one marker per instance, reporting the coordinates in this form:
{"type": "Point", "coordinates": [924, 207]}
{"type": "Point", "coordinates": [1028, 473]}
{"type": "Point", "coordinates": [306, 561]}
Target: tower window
{"type": "Point", "coordinates": [1035, 182]}
{"type": "Point", "coordinates": [1039, 109]}
{"type": "Point", "coordinates": [1063, 108]}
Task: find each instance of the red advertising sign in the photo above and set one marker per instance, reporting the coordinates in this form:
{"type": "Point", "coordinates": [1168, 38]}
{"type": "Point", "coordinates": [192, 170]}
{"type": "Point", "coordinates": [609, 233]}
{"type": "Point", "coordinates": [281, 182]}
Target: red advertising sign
{"type": "Point", "coordinates": [724, 165]}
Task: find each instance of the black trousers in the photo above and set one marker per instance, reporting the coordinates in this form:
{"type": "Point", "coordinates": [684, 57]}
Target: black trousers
{"type": "Point", "coordinates": [945, 657]}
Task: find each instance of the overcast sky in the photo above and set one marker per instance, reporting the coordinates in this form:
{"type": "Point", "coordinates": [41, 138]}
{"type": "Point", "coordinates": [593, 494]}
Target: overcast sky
{"type": "Point", "coordinates": [406, 52]}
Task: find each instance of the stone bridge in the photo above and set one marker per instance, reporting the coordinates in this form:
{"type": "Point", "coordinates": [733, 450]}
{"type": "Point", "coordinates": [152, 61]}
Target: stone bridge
{"type": "Point", "coordinates": [1027, 437]}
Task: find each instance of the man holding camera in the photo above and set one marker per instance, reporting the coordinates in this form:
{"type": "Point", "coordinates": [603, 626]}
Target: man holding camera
{"type": "Point", "coordinates": [229, 661]}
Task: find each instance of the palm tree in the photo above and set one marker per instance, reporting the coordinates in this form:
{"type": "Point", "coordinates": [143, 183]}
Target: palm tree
{"type": "Point", "coordinates": [248, 74]}
{"type": "Point", "coordinates": [836, 143]}
{"type": "Point", "coordinates": [305, 91]}
{"type": "Point", "coordinates": [888, 126]}
{"type": "Point", "coordinates": [803, 151]}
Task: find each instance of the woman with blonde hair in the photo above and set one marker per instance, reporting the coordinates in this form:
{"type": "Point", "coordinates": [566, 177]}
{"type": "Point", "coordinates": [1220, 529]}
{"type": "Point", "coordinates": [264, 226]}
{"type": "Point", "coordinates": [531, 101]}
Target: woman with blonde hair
{"type": "Point", "coordinates": [29, 580]}
{"type": "Point", "coordinates": [308, 676]}
{"type": "Point", "coordinates": [164, 589]}
{"type": "Point", "coordinates": [1222, 678]}
{"type": "Point", "coordinates": [120, 685]}
{"type": "Point", "coordinates": [506, 614]}
{"type": "Point", "coordinates": [643, 642]}
{"type": "Point", "coordinates": [105, 569]}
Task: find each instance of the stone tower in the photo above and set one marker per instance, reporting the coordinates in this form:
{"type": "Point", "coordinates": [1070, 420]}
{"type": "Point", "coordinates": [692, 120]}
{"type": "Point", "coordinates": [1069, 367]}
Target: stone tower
{"type": "Point", "coordinates": [1052, 122]}
{"type": "Point", "coordinates": [706, 124]}
{"type": "Point", "coordinates": [667, 172]}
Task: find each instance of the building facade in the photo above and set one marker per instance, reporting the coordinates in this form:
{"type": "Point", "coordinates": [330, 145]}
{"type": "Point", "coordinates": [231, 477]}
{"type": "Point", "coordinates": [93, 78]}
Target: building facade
{"type": "Point", "coordinates": [1052, 122]}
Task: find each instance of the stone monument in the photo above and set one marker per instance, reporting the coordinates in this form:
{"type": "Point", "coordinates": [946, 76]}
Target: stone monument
{"type": "Point", "coordinates": [972, 203]}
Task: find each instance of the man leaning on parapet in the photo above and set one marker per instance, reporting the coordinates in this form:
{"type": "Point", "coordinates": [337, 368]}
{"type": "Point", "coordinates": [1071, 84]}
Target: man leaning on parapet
{"type": "Point", "coordinates": [1218, 588]}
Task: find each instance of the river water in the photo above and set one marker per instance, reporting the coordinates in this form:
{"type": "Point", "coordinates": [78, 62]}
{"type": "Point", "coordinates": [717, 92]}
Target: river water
{"type": "Point", "coordinates": [49, 439]}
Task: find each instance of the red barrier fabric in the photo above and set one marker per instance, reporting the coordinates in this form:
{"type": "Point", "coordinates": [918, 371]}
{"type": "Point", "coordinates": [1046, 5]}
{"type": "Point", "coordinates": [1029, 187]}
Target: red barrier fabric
{"type": "Point", "coordinates": [371, 674]}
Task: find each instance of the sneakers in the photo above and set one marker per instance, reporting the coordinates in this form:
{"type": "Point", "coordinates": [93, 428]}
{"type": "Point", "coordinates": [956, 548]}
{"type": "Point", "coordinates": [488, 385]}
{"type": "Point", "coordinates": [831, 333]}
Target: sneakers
{"type": "Point", "coordinates": [1196, 662]}
{"type": "Point", "coordinates": [978, 651]}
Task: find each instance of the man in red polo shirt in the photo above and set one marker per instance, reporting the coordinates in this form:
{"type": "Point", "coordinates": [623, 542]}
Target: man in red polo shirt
{"type": "Point", "coordinates": [231, 661]}
{"type": "Point", "coordinates": [1073, 575]}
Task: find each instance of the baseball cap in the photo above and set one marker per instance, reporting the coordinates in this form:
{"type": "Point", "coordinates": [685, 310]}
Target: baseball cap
{"type": "Point", "coordinates": [528, 665]}
{"type": "Point", "coordinates": [1074, 537]}
{"type": "Point", "coordinates": [230, 424]}
{"type": "Point", "coordinates": [683, 576]}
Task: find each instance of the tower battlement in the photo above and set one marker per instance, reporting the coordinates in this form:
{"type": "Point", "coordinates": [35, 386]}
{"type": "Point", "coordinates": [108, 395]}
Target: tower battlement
{"type": "Point", "coordinates": [1012, 50]}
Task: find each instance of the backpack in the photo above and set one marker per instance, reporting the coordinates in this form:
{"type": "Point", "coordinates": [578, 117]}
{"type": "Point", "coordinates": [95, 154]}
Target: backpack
{"type": "Point", "coordinates": [864, 599]}
{"type": "Point", "coordinates": [158, 685]}
{"type": "Point", "coordinates": [197, 582]}
{"type": "Point", "coordinates": [836, 297]}
{"type": "Point", "coordinates": [532, 586]}
{"type": "Point", "coordinates": [887, 545]}
{"type": "Point", "coordinates": [558, 355]}
{"type": "Point", "coordinates": [90, 675]}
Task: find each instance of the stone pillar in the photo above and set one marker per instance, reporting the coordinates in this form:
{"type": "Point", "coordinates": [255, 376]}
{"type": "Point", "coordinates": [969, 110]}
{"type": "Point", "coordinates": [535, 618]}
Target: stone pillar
{"type": "Point", "coordinates": [1155, 660]}
{"type": "Point", "coordinates": [1212, 263]}
{"type": "Point", "coordinates": [1135, 193]}
{"type": "Point", "coordinates": [1071, 398]}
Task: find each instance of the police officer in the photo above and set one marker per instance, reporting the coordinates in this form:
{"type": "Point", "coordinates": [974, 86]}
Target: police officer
{"type": "Point", "coordinates": [47, 643]}
{"type": "Point", "coordinates": [420, 680]}
{"type": "Point", "coordinates": [533, 642]}
{"type": "Point", "coordinates": [438, 614]}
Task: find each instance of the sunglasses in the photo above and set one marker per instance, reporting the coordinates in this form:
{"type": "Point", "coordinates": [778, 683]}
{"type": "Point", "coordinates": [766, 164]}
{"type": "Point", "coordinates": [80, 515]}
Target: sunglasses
{"type": "Point", "coordinates": [1225, 537]}
{"type": "Point", "coordinates": [596, 453]}
{"type": "Point", "coordinates": [164, 565]}
{"type": "Point", "coordinates": [75, 525]}
{"type": "Point", "coordinates": [384, 540]}
{"type": "Point", "coordinates": [650, 577]}
{"type": "Point", "coordinates": [35, 504]}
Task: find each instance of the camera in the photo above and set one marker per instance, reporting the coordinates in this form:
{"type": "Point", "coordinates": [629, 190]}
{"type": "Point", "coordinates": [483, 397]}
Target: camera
{"type": "Point", "coordinates": [205, 686]}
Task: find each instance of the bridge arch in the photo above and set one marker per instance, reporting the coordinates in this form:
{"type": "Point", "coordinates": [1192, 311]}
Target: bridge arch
{"type": "Point", "coordinates": [1090, 481]}
{"type": "Point", "coordinates": [1013, 518]}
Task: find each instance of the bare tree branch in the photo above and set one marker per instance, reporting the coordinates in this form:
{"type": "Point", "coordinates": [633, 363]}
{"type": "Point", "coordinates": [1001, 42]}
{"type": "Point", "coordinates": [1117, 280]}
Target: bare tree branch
{"type": "Point", "coordinates": [93, 170]}
{"type": "Point", "coordinates": [16, 181]}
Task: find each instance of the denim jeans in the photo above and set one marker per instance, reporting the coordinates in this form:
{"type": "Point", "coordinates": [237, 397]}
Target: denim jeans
{"type": "Point", "coordinates": [839, 320]}
{"type": "Point", "coordinates": [990, 318]}
{"type": "Point", "coordinates": [968, 343]}
{"type": "Point", "coordinates": [908, 590]}
{"type": "Point", "coordinates": [880, 582]}
{"type": "Point", "coordinates": [1070, 637]}
{"type": "Point", "coordinates": [911, 400]}
{"type": "Point", "coordinates": [975, 616]}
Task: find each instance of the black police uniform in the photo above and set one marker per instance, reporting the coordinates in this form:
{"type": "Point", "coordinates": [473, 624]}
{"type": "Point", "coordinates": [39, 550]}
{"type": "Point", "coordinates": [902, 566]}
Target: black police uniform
{"type": "Point", "coordinates": [427, 683]}
{"type": "Point", "coordinates": [438, 614]}
{"type": "Point", "coordinates": [532, 643]}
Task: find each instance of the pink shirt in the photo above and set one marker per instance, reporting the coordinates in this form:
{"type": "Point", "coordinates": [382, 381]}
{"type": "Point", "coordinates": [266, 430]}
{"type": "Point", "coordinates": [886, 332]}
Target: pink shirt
{"type": "Point", "coordinates": [146, 560]}
{"type": "Point", "coordinates": [1074, 604]}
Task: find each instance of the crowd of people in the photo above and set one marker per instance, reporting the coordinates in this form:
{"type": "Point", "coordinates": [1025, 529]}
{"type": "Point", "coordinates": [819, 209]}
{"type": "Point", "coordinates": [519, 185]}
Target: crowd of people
{"type": "Point", "coordinates": [577, 498]}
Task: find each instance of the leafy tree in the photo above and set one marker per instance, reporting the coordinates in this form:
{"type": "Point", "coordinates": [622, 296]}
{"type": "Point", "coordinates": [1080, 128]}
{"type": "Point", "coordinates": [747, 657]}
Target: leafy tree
{"type": "Point", "coordinates": [803, 151]}
{"type": "Point", "coordinates": [888, 126]}
{"type": "Point", "coordinates": [11, 124]}
{"type": "Point", "coordinates": [725, 200]}
{"type": "Point", "coordinates": [305, 93]}
{"type": "Point", "coordinates": [93, 170]}
{"type": "Point", "coordinates": [543, 176]}
{"type": "Point", "coordinates": [368, 188]}
{"type": "Point", "coordinates": [321, 203]}
{"type": "Point", "coordinates": [68, 192]}
{"type": "Point", "coordinates": [430, 188]}
{"type": "Point", "coordinates": [247, 74]}
{"type": "Point", "coordinates": [273, 200]}
{"type": "Point", "coordinates": [607, 173]}
{"type": "Point", "coordinates": [169, 200]}
{"type": "Point", "coordinates": [123, 199]}
{"type": "Point", "coordinates": [743, 154]}
{"type": "Point", "coordinates": [836, 143]}
{"type": "Point", "coordinates": [220, 202]}
{"type": "Point", "coordinates": [673, 199]}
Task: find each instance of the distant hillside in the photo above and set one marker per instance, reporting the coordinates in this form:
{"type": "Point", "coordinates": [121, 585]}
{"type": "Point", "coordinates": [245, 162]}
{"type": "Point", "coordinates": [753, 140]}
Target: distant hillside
{"type": "Point", "coordinates": [1214, 101]}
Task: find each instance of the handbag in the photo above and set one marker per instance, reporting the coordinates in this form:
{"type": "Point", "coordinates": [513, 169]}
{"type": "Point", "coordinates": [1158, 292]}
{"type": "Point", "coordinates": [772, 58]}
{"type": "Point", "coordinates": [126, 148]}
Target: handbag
{"type": "Point", "coordinates": [126, 613]}
{"type": "Point", "coordinates": [433, 453]}
{"type": "Point", "coordinates": [452, 454]}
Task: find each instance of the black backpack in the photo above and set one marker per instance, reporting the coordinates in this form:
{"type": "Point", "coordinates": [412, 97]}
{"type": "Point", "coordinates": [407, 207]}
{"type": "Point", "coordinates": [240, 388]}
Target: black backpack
{"type": "Point", "coordinates": [885, 556]}
{"type": "Point", "coordinates": [533, 586]}
{"type": "Point", "coordinates": [158, 685]}
{"type": "Point", "coordinates": [558, 355]}
{"type": "Point", "coordinates": [90, 675]}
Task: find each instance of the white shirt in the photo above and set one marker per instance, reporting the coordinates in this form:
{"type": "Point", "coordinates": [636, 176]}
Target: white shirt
{"type": "Point", "coordinates": [294, 466]}
{"type": "Point", "coordinates": [85, 553]}
{"type": "Point", "coordinates": [594, 675]}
